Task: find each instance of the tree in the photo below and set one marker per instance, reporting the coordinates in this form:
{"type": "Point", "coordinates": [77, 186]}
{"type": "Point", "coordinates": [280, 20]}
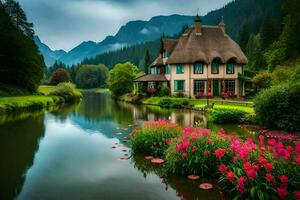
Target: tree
{"type": "Point", "coordinates": [262, 80]}
{"type": "Point", "coordinates": [120, 78]}
{"type": "Point", "coordinates": [281, 74]}
{"type": "Point", "coordinates": [255, 55]}
{"type": "Point", "coordinates": [60, 75]}
{"type": "Point", "coordinates": [268, 32]}
{"type": "Point", "coordinates": [243, 37]}
{"type": "Point", "coordinates": [145, 63]}
{"type": "Point", "coordinates": [18, 17]}
{"type": "Point", "coordinates": [91, 76]}
{"type": "Point", "coordinates": [20, 61]}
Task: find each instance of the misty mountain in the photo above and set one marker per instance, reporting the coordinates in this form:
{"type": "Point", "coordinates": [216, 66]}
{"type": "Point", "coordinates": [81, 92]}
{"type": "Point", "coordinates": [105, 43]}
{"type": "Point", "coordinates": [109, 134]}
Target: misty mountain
{"type": "Point", "coordinates": [134, 32]}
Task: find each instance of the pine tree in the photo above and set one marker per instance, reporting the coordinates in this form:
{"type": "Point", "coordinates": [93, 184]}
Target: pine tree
{"type": "Point", "coordinates": [243, 37]}
{"type": "Point", "coordinates": [146, 62]}
{"type": "Point", "coordinates": [18, 17]}
{"type": "Point", "coordinates": [268, 32]}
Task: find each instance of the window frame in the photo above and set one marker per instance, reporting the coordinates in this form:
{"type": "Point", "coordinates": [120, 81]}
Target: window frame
{"type": "Point", "coordinates": [168, 69]}
{"type": "Point", "coordinates": [176, 88]}
{"type": "Point", "coordinates": [233, 67]}
{"type": "Point", "coordinates": [202, 66]}
{"type": "Point", "coordinates": [228, 85]}
{"type": "Point", "coordinates": [211, 67]}
{"type": "Point", "coordinates": [200, 86]}
{"type": "Point", "coordinates": [182, 69]}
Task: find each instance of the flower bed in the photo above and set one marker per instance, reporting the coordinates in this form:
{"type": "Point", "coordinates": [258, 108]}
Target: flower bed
{"type": "Point", "coordinates": [264, 170]}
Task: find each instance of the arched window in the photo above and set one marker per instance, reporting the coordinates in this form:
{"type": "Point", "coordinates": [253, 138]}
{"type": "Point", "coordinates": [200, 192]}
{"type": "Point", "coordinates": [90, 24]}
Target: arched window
{"type": "Point", "coordinates": [215, 66]}
{"type": "Point", "coordinates": [230, 66]}
{"type": "Point", "coordinates": [198, 68]}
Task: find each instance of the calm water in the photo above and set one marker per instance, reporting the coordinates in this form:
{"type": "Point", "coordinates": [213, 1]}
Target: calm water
{"type": "Point", "coordinates": [67, 154]}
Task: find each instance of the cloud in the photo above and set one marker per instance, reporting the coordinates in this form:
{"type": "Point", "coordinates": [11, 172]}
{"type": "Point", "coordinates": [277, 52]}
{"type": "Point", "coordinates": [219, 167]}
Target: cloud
{"type": "Point", "coordinates": [63, 24]}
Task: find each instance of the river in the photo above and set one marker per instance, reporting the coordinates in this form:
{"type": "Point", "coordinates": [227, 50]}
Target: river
{"type": "Point", "coordinates": [67, 154]}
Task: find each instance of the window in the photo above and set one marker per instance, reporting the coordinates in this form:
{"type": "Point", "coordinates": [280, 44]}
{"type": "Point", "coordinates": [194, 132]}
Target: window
{"type": "Point", "coordinates": [230, 67]}
{"type": "Point", "coordinates": [180, 69]}
{"type": "Point", "coordinates": [215, 67]}
{"type": "Point", "coordinates": [168, 69]}
{"type": "Point", "coordinates": [179, 85]}
{"type": "Point", "coordinates": [230, 86]}
{"type": "Point", "coordinates": [153, 70]}
{"type": "Point", "coordinates": [165, 54]}
{"type": "Point", "coordinates": [198, 68]}
{"type": "Point", "coordinates": [199, 86]}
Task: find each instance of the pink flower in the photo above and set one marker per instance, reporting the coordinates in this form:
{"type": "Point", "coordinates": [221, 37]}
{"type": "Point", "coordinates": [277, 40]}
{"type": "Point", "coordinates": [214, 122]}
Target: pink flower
{"type": "Point", "coordinates": [284, 179]}
{"type": "Point", "coordinates": [269, 178]}
{"type": "Point", "coordinates": [194, 149]}
{"type": "Point", "coordinates": [222, 131]}
{"type": "Point", "coordinates": [297, 160]}
{"type": "Point", "coordinates": [256, 167]}
{"type": "Point", "coordinates": [272, 142]}
{"type": "Point", "coordinates": [261, 139]}
{"type": "Point", "coordinates": [297, 195]}
{"type": "Point", "coordinates": [262, 160]}
{"type": "Point", "coordinates": [251, 173]}
{"type": "Point", "coordinates": [246, 166]}
{"type": "Point", "coordinates": [241, 184]}
{"type": "Point", "coordinates": [230, 175]}
{"type": "Point", "coordinates": [282, 192]}
{"type": "Point", "coordinates": [222, 168]}
{"type": "Point", "coordinates": [268, 167]}
{"type": "Point", "coordinates": [206, 152]}
{"type": "Point", "coordinates": [297, 147]}
{"type": "Point", "coordinates": [220, 153]}
{"type": "Point", "coordinates": [262, 149]}
{"type": "Point", "coordinates": [184, 155]}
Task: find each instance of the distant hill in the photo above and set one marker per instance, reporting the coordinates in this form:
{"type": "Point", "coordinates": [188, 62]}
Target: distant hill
{"type": "Point", "coordinates": [134, 32]}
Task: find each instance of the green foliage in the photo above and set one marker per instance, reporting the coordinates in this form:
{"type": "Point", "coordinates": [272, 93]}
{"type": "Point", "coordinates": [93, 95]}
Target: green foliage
{"type": "Point", "coordinates": [145, 62]}
{"type": "Point", "coordinates": [281, 74]}
{"type": "Point", "coordinates": [269, 32]}
{"type": "Point", "coordinates": [243, 38]}
{"type": "Point", "coordinates": [20, 62]}
{"type": "Point", "coordinates": [262, 80]}
{"type": "Point", "coordinates": [180, 95]}
{"type": "Point", "coordinates": [60, 75]}
{"type": "Point", "coordinates": [67, 91]}
{"type": "Point", "coordinates": [278, 107]}
{"type": "Point", "coordinates": [153, 137]}
{"type": "Point", "coordinates": [296, 75]}
{"type": "Point", "coordinates": [173, 103]}
{"type": "Point", "coordinates": [91, 76]}
{"type": "Point", "coordinates": [120, 78]}
{"type": "Point", "coordinates": [11, 90]}
{"type": "Point", "coordinates": [227, 116]}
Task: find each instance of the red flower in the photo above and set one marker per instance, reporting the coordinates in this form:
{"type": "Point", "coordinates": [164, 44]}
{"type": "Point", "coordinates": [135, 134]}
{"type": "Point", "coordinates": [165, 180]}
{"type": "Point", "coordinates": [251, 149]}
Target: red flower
{"type": "Point", "coordinates": [262, 160]}
{"type": "Point", "coordinates": [268, 167]}
{"type": "Point", "coordinates": [220, 153]}
{"type": "Point", "coordinates": [194, 149]}
{"type": "Point", "coordinates": [184, 155]}
{"type": "Point", "coordinates": [297, 160]}
{"type": "Point", "coordinates": [206, 152]}
{"type": "Point", "coordinates": [284, 179]}
{"type": "Point", "coordinates": [222, 168]}
{"type": "Point", "coordinates": [246, 166]}
{"type": "Point", "coordinates": [261, 139]}
{"type": "Point", "coordinates": [269, 178]}
{"type": "Point", "coordinates": [297, 195]}
{"type": "Point", "coordinates": [251, 173]}
{"type": "Point", "coordinates": [282, 192]}
{"type": "Point", "coordinates": [241, 184]}
{"type": "Point", "coordinates": [222, 131]}
{"type": "Point", "coordinates": [256, 167]}
{"type": "Point", "coordinates": [272, 142]}
{"type": "Point", "coordinates": [230, 175]}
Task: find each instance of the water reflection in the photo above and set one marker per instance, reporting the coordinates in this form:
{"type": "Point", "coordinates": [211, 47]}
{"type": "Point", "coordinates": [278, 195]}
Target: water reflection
{"type": "Point", "coordinates": [67, 154]}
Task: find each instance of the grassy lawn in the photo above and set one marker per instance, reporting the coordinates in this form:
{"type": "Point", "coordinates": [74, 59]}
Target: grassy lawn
{"type": "Point", "coordinates": [46, 89]}
{"type": "Point", "coordinates": [246, 106]}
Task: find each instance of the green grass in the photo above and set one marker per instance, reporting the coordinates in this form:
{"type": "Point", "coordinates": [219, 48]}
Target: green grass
{"type": "Point", "coordinates": [46, 89]}
{"type": "Point", "coordinates": [245, 106]}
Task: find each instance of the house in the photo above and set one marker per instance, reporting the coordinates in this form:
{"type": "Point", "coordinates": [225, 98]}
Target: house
{"type": "Point", "coordinates": [204, 61]}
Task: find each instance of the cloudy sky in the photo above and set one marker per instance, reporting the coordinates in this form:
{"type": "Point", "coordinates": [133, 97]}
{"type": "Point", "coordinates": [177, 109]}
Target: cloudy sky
{"type": "Point", "coordinates": [63, 24]}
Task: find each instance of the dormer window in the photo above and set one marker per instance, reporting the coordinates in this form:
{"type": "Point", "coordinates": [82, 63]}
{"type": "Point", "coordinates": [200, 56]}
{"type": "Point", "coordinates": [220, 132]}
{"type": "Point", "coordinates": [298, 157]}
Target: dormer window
{"type": "Point", "coordinates": [230, 66]}
{"type": "Point", "coordinates": [198, 68]}
{"type": "Point", "coordinates": [165, 54]}
{"type": "Point", "coordinates": [215, 66]}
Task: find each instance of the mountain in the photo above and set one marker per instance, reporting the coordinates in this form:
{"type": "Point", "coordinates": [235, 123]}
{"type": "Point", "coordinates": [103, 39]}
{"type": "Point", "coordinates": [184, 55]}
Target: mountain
{"type": "Point", "coordinates": [134, 32]}
{"type": "Point", "coordinates": [50, 56]}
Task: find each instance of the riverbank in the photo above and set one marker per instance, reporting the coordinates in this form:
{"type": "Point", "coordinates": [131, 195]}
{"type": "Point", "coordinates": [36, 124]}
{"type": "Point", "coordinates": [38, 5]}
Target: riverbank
{"type": "Point", "coordinates": [218, 103]}
{"type": "Point", "coordinates": [49, 96]}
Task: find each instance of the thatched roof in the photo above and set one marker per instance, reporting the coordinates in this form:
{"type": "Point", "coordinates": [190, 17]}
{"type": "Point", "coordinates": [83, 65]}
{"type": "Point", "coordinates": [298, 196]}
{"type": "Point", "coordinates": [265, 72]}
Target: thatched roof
{"type": "Point", "coordinates": [151, 77]}
{"type": "Point", "coordinates": [167, 45]}
{"type": "Point", "coordinates": [210, 44]}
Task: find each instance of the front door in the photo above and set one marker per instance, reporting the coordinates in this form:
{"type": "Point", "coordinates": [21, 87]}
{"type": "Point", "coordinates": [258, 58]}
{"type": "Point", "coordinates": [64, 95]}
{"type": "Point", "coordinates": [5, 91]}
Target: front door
{"type": "Point", "coordinates": [216, 88]}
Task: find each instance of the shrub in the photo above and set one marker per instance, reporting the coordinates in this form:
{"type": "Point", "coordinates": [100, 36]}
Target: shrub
{"type": "Point", "coordinates": [226, 116]}
{"type": "Point", "coordinates": [165, 103]}
{"type": "Point", "coordinates": [154, 137]}
{"type": "Point", "coordinates": [173, 103]}
{"type": "Point", "coordinates": [262, 80]}
{"type": "Point", "coordinates": [67, 91]}
{"type": "Point", "coordinates": [180, 95]}
{"type": "Point", "coordinates": [60, 75]}
{"type": "Point", "coordinates": [163, 91]}
{"type": "Point", "coordinates": [278, 107]}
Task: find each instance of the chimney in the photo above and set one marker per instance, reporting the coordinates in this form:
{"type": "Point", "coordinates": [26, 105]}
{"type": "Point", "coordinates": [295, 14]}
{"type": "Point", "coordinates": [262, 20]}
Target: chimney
{"type": "Point", "coordinates": [198, 25]}
{"type": "Point", "coordinates": [222, 26]}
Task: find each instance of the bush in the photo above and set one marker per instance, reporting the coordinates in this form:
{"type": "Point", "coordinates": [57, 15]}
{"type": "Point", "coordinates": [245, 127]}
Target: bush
{"type": "Point", "coordinates": [163, 91]}
{"type": "Point", "coordinates": [278, 107]}
{"type": "Point", "coordinates": [60, 75]}
{"type": "Point", "coordinates": [226, 116]}
{"type": "Point", "coordinates": [91, 76]}
{"type": "Point", "coordinates": [153, 138]}
{"type": "Point", "coordinates": [67, 91]}
{"type": "Point", "coordinates": [173, 103]}
{"type": "Point", "coordinates": [262, 80]}
{"type": "Point", "coordinates": [180, 95]}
